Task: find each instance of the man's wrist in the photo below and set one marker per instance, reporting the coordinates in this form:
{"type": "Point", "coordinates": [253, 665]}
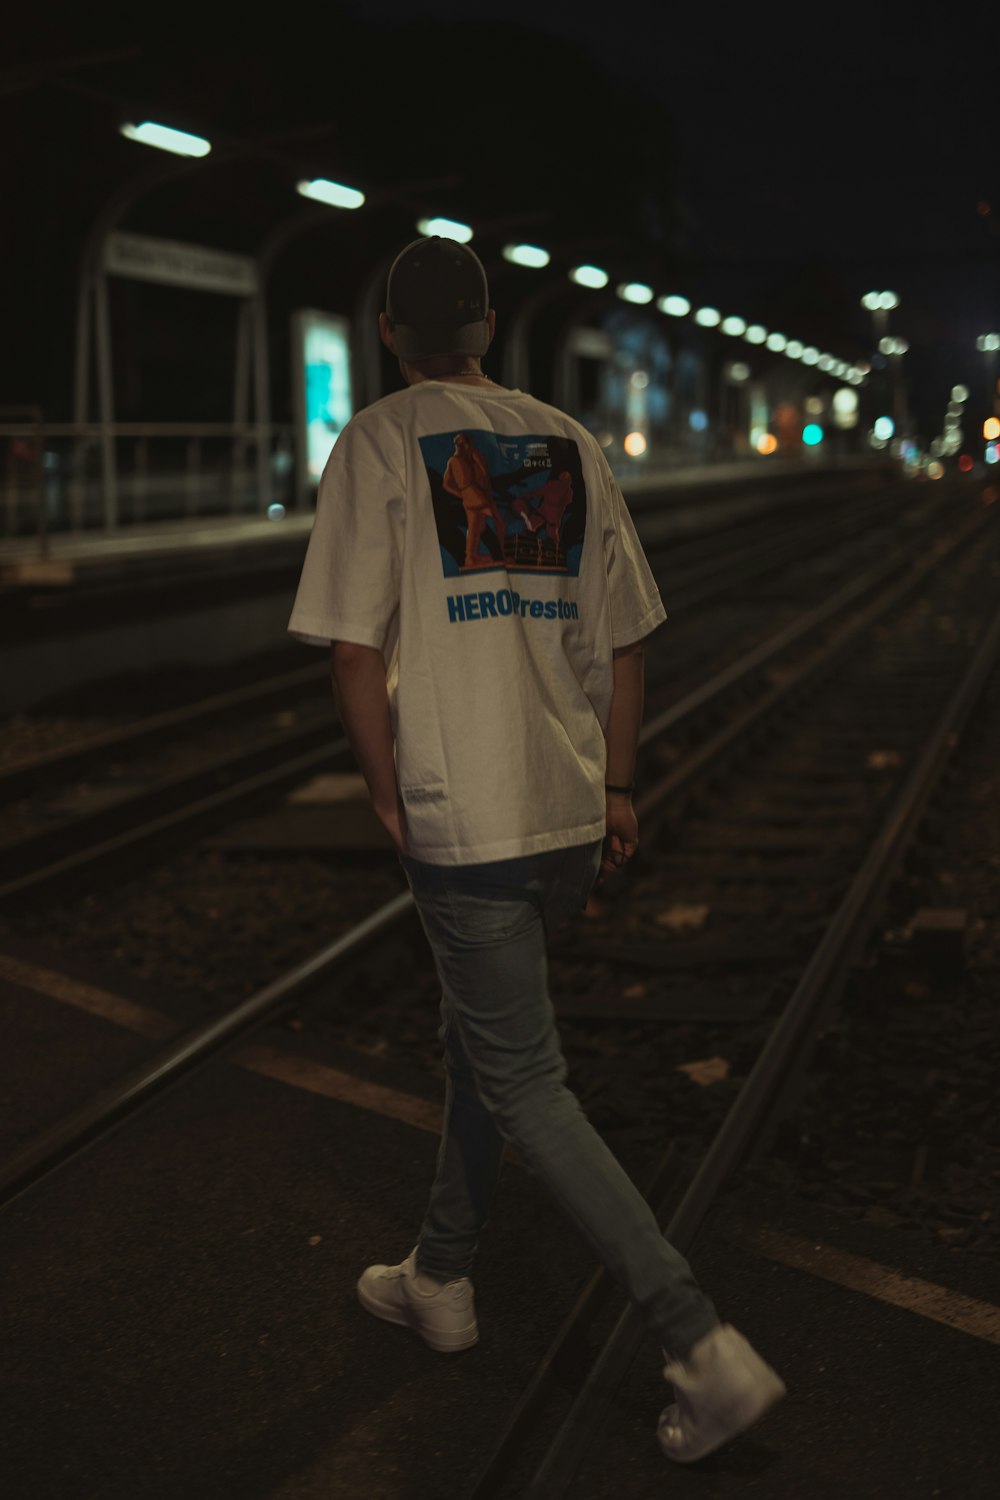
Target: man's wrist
{"type": "Point", "coordinates": [618, 791]}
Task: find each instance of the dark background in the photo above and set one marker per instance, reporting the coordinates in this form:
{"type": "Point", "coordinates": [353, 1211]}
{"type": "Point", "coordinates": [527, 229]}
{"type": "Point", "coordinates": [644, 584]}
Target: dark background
{"type": "Point", "coordinates": [777, 164]}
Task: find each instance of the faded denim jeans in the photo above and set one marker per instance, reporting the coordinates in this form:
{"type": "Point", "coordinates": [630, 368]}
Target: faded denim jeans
{"type": "Point", "coordinates": [506, 1082]}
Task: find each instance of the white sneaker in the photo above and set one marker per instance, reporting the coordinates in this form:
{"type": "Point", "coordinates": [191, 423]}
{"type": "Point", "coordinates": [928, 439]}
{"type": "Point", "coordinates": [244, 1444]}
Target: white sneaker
{"type": "Point", "coordinates": [443, 1315]}
{"type": "Point", "coordinates": [721, 1388]}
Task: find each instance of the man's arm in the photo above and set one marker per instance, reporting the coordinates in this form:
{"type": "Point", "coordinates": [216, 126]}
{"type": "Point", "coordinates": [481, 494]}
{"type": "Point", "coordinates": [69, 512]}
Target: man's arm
{"type": "Point", "coordinates": [625, 716]}
{"type": "Point", "coordinates": [622, 739]}
{"type": "Point", "coordinates": [362, 701]}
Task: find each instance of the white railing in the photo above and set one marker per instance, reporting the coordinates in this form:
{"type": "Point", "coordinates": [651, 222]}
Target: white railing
{"type": "Point", "coordinates": [59, 477]}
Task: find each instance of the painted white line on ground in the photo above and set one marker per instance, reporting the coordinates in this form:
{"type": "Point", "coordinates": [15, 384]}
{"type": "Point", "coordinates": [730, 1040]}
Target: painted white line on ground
{"type": "Point", "coordinates": [88, 997]}
{"type": "Point", "coordinates": [925, 1298]}
{"type": "Point", "coordinates": [269, 1062]}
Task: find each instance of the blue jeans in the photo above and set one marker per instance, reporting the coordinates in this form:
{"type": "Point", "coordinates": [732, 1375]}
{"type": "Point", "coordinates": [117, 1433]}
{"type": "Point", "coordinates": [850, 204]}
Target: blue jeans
{"type": "Point", "coordinates": [506, 1082]}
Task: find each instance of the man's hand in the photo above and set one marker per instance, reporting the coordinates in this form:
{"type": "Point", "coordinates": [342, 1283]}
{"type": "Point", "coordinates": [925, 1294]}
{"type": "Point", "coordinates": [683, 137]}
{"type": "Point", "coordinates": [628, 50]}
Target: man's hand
{"type": "Point", "coordinates": [393, 820]}
{"type": "Point", "coordinates": [621, 837]}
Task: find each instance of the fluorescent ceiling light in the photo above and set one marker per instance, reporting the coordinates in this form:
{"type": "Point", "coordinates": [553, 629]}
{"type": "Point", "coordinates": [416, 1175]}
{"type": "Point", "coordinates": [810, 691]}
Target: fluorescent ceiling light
{"type": "Point", "coordinates": [589, 276]}
{"type": "Point", "coordinates": [165, 139]}
{"type": "Point", "coordinates": [527, 255]}
{"type": "Point", "coordinates": [634, 291]}
{"type": "Point", "coordinates": [448, 229]}
{"type": "Point", "coordinates": [333, 193]}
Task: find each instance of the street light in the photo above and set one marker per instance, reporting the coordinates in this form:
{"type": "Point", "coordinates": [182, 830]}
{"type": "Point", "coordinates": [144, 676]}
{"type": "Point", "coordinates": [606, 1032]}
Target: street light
{"type": "Point", "coordinates": [880, 304]}
{"type": "Point", "coordinates": [988, 344]}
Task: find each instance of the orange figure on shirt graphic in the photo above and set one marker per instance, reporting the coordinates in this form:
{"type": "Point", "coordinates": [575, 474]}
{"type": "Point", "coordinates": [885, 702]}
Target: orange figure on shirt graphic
{"type": "Point", "coordinates": [468, 477]}
{"type": "Point", "coordinates": [554, 498]}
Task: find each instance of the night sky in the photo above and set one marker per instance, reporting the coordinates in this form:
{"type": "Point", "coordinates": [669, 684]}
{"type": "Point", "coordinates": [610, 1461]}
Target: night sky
{"type": "Point", "coordinates": [778, 163]}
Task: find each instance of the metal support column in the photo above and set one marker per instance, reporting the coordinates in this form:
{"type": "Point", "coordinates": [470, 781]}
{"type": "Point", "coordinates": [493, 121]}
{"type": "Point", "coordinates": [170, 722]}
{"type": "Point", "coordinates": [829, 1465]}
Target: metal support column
{"type": "Point", "coordinates": [105, 397]}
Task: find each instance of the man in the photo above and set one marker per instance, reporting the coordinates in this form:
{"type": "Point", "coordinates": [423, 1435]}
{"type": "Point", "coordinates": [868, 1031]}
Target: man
{"type": "Point", "coordinates": [534, 685]}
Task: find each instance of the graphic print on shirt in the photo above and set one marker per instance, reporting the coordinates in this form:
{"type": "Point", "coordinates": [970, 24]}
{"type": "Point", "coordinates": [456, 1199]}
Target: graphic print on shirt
{"type": "Point", "coordinates": [515, 502]}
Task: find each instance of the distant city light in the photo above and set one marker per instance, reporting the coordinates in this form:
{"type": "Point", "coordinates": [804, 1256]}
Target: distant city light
{"type": "Point", "coordinates": [812, 434]}
{"type": "Point", "coordinates": [634, 291]}
{"type": "Point", "coordinates": [960, 393]}
{"type": "Point", "coordinates": [794, 350]}
{"type": "Point", "coordinates": [734, 326]}
{"type": "Point", "coordinates": [844, 407]}
{"type": "Point", "coordinates": [964, 462]}
{"type": "Point", "coordinates": [635, 445]}
{"type": "Point", "coordinates": [879, 300]}
{"type": "Point", "coordinates": [935, 470]}
{"type": "Point", "coordinates": [275, 512]}
{"type": "Point", "coordinates": [737, 372]}
{"type": "Point", "coordinates": [883, 428]}
{"type": "Point", "coordinates": [708, 317]}
{"type": "Point", "coordinates": [165, 139]}
{"type": "Point", "coordinates": [767, 442]}
{"type": "Point", "coordinates": [777, 342]}
{"type": "Point", "coordinates": [677, 307]}
{"type": "Point", "coordinates": [589, 276]}
{"type": "Point", "coordinates": [698, 421]}
{"type": "Point", "coordinates": [448, 229]}
{"type": "Point", "coordinates": [826, 362]}
{"type": "Point", "coordinates": [335, 194]}
{"type": "Point", "coordinates": [755, 334]}
{"type": "Point", "coordinates": [527, 255]}
{"type": "Point", "coordinates": [991, 428]}
{"type": "Point", "coordinates": [891, 345]}
{"type": "Point", "coordinates": [810, 356]}
{"type": "Point", "coordinates": [992, 453]}
{"type": "Point", "coordinates": [987, 342]}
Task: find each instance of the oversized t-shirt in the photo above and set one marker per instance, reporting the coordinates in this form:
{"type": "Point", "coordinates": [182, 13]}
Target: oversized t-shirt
{"type": "Point", "coordinates": [477, 537]}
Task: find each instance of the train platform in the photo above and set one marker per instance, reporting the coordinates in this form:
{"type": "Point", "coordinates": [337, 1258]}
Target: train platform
{"type": "Point", "coordinates": [63, 559]}
{"type": "Point", "coordinates": [179, 1315]}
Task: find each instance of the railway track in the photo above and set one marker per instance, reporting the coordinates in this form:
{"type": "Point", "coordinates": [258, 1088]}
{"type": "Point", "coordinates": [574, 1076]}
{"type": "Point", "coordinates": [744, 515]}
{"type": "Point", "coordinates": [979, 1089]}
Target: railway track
{"type": "Point", "coordinates": [664, 799]}
{"type": "Point", "coordinates": [167, 779]}
{"type": "Point", "coordinates": [768, 847]}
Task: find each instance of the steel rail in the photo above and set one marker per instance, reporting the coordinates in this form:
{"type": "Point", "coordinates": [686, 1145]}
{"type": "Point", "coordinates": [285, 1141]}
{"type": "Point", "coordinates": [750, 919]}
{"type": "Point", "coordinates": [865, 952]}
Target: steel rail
{"type": "Point", "coordinates": [786, 1050]}
{"type": "Point", "coordinates": [21, 775]}
{"type": "Point", "coordinates": [185, 1055]}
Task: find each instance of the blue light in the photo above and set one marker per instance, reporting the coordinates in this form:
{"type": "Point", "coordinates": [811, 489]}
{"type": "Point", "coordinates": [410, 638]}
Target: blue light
{"type": "Point", "coordinates": [812, 434]}
{"type": "Point", "coordinates": [698, 420]}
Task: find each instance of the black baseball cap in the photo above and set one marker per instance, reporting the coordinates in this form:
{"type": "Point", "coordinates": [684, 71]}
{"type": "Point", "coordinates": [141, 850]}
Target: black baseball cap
{"type": "Point", "coordinates": [437, 299]}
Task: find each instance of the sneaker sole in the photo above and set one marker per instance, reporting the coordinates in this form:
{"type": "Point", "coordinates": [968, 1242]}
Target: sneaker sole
{"type": "Point", "coordinates": [441, 1342]}
{"type": "Point", "coordinates": [742, 1423]}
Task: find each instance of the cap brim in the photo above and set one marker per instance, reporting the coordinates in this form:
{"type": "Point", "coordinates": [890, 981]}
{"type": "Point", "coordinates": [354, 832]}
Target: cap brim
{"type": "Point", "coordinates": [426, 340]}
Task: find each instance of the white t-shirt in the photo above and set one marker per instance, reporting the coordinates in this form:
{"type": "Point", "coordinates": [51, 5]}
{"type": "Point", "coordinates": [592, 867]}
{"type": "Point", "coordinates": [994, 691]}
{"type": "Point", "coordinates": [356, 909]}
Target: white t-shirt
{"type": "Point", "coordinates": [477, 537]}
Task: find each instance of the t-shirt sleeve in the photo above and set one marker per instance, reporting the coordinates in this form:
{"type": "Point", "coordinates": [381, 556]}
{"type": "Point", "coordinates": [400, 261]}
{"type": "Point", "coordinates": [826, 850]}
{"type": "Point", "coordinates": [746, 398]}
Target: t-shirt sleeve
{"type": "Point", "coordinates": [636, 607]}
{"type": "Point", "coordinates": [349, 586]}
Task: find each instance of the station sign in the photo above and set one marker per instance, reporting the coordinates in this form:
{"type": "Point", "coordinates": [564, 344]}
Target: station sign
{"type": "Point", "coordinates": [177, 263]}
